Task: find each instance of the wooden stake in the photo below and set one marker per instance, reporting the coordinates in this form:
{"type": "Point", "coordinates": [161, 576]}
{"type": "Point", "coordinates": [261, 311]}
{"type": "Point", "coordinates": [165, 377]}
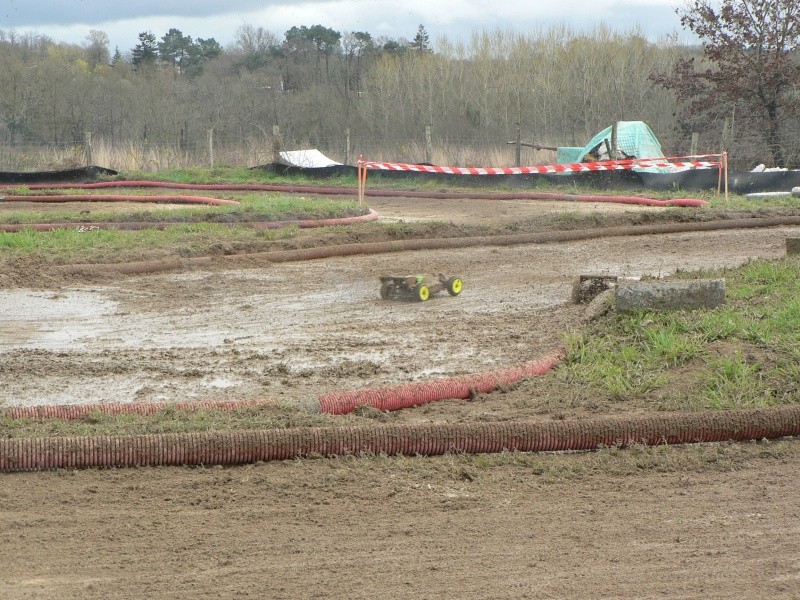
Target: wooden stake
{"type": "Point", "coordinates": [428, 144]}
{"type": "Point", "coordinates": [695, 144]}
{"type": "Point", "coordinates": [87, 148]}
{"type": "Point", "coordinates": [211, 148]}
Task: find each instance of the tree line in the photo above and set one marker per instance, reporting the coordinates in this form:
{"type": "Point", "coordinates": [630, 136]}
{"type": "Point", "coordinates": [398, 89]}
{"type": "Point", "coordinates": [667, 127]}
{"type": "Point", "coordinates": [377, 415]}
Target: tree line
{"type": "Point", "coordinates": [556, 86]}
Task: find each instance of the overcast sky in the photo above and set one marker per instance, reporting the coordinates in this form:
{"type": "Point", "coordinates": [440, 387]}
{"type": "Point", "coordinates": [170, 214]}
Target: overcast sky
{"type": "Point", "coordinates": [71, 20]}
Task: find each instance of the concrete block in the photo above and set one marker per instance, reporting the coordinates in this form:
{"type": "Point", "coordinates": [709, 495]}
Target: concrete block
{"type": "Point", "coordinates": [792, 245]}
{"type": "Point", "coordinates": [602, 304]}
{"type": "Point", "coordinates": [588, 287]}
{"type": "Point", "coordinates": [670, 295]}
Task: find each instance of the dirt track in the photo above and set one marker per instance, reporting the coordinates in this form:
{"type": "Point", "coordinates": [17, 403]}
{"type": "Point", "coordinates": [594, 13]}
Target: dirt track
{"type": "Point", "coordinates": [449, 527]}
{"type": "Point", "coordinates": [402, 528]}
{"type": "Point", "coordinates": [292, 331]}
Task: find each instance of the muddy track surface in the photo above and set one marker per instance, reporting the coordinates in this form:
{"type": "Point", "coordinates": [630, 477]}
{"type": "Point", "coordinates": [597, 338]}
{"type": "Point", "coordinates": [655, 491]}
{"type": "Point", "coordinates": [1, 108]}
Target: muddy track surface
{"type": "Point", "coordinates": [292, 331]}
{"type": "Point", "coordinates": [426, 528]}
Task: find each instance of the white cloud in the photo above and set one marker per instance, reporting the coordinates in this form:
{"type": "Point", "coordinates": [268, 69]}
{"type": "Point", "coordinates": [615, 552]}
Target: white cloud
{"type": "Point", "coordinates": [450, 18]}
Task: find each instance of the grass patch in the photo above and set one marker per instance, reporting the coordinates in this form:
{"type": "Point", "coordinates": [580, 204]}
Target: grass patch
{"type": "Point", "coordinates": [734, 382]}
{"type": "Point", "coordinates": [743, 354]}
{"type": "Point", "coordinates": [186, 231]}
{"type": "Point", "coordinates": [68, 245]}
{"type": "Point", "coordinates": [743, 203]}
{"type": "Point", "coordinates": [224, 174]}
{"type": "Point", "coordinates": [253, 207]}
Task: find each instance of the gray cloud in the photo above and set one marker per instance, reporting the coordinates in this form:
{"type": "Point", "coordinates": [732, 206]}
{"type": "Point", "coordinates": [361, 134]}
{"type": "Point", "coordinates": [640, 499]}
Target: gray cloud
{"type": "Point", "coordinates": [70, 20]}
{"type": "Point", "coordinates": [31, 13]}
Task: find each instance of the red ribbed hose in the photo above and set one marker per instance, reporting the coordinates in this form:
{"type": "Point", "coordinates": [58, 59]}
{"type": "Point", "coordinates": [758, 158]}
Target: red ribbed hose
{"type": "Point", "coordinates": [137, 225]}
{"type": "Point", "coordinates": [242, 447]}
{"type": "Point", "coordinates": [414, 394]}
{"type": "Point", "coordinates": [684, 202]}
{"type": "Point", "coordinates": [307, 189]}
{"type": "Point", "coordinates": [119, 198]}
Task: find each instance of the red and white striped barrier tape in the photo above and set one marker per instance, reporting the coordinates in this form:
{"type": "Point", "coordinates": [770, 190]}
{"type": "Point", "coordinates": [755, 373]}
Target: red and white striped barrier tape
{"type": "Point", "coordinates": [605, 165]}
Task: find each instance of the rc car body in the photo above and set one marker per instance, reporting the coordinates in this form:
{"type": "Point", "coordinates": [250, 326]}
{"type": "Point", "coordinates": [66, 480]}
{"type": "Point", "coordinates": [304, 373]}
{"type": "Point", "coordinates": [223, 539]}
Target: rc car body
{"type": "Point", "coordinates": [418, 287]}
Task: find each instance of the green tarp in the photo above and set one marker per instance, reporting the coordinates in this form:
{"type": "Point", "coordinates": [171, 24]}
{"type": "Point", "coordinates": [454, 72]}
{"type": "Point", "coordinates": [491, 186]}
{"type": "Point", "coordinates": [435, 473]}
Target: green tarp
{"type": "Point", "coordinates": [635, 139]}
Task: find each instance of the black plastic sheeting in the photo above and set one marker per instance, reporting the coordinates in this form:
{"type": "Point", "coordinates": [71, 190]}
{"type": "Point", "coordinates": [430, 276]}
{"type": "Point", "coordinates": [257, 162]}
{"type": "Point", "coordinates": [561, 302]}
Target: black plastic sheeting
{"type": "Point", "coordinates": [693, 180]}
{"type": "Point", "coordinates": [81, 174]}
{"type": "Point", "coordinates": [743, 182]}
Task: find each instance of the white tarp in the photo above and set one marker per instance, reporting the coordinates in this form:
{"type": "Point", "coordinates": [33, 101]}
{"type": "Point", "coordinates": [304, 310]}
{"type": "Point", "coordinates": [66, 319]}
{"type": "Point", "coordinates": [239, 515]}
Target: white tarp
{"type": "Point", "coordinates": [310, 159]}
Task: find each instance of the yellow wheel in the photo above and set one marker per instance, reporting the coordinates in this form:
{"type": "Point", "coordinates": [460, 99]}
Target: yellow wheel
{"type": "Point", "coordinates": [454, 286]}
{"type": "Point", "coordinates": [423, 293]}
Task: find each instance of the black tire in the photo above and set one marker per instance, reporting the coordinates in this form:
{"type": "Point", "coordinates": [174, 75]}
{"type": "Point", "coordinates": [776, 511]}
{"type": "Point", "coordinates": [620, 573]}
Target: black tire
{"type": "Point", "coordinates": [386, 290]}
{"type": "Point", "coordinates": [422, 292]}
{"type": "Point", "coordinates": [454, 286]}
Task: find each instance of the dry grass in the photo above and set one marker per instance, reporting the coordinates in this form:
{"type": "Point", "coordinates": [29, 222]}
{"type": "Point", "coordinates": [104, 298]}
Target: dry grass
{"type": "Point", "coordinates": [138, 156]}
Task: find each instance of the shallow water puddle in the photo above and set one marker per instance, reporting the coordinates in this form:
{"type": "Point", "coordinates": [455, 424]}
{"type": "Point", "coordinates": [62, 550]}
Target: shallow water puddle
{"type": "Point", "coordinates": [50, 320]}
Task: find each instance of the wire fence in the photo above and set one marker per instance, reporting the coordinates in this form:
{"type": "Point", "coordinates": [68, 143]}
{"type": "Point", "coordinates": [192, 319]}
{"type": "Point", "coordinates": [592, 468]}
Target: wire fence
{"type": "Point", "coordinates": [746, 152]}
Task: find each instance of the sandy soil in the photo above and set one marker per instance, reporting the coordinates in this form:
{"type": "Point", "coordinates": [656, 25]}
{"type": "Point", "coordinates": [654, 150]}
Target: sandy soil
{"type": "Point", "coordinates": [450, 527]}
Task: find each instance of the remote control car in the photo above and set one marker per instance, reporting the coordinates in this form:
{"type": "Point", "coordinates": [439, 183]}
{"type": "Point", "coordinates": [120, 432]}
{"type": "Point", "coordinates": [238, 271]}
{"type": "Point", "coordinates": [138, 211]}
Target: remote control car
{"type": "Point", "coordinates": [418, 287]}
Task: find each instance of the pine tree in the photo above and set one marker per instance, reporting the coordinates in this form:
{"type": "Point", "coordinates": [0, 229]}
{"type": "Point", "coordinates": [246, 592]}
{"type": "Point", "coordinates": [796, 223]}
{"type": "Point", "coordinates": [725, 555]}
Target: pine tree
{"type": "Point", "coordinates": [421, 42]}
{"type": "Point", "coordinates": [174, 48]}
{"type": "Point", "coordinates": [146, 51]}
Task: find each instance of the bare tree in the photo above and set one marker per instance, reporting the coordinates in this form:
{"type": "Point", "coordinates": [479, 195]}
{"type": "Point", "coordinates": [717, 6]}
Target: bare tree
{"type": "Point", "coordinates": [748, 60]}
{"type": "Point", "coordinates": [96, 48]}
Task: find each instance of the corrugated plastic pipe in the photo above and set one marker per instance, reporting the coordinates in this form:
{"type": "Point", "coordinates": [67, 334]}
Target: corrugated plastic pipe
{"type": "Point", "coordinates": [70, 412]}
{"type": "Point", "coordinates": [682, 202]}
{"type": "Point", "coordinates": [242, 447]}
{"type": "Point", "coordinates": [374, 192]}
{"type": "Point", "coordinates": [413, 394]}
{"type": "Point", "coordinates": [118, 198]}
{"type": "Point", "coordinates": [138, 225]}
